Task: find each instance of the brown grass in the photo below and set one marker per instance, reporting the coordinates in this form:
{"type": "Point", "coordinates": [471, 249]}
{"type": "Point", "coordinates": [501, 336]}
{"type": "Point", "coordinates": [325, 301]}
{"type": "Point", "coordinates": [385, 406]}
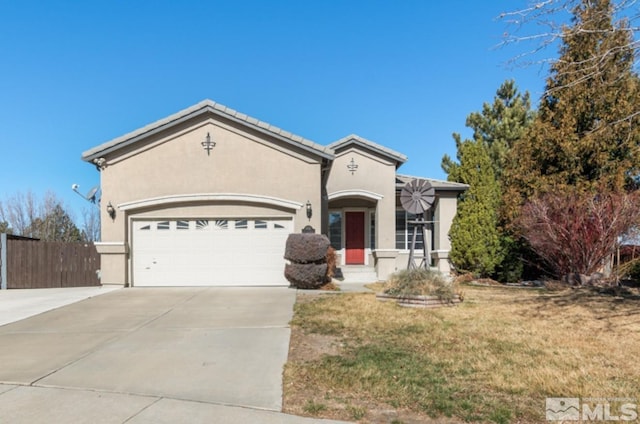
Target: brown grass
{"type": "Point", "coordinates": [494, 358]}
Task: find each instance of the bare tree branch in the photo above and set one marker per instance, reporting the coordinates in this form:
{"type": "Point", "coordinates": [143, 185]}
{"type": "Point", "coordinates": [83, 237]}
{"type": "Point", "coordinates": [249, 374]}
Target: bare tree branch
{"type": "Point", "coordinates": [557, 23]}
{"type": "Point", "coordinates": [547, 22]}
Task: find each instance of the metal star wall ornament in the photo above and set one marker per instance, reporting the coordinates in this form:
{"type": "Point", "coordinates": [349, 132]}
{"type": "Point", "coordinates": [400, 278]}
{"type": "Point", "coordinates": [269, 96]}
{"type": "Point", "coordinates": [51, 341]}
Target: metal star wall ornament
{"type": "Point", "coordinates": [352, 166]}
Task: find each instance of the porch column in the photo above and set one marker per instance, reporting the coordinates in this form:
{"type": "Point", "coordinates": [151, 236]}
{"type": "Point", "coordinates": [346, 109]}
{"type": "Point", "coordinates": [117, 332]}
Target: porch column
{"type": "Point", "coordinates": [441, 260]}
{"type": "Point", "coordinates": [385, 261]}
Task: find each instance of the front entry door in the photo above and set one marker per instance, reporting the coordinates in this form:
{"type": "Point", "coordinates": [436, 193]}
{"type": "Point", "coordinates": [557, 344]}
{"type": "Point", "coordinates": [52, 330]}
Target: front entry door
{"type": "Point", "coordinates": [354, 238]}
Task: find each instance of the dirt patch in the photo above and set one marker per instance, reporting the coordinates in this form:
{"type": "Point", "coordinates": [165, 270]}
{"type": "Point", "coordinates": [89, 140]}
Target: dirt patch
{"type": "Point", "coordinates": [310, 347]}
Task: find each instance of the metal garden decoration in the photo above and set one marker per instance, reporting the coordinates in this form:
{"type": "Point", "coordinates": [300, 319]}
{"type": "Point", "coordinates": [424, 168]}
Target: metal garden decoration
{"type": "Point", "coordinates": [416, 197]}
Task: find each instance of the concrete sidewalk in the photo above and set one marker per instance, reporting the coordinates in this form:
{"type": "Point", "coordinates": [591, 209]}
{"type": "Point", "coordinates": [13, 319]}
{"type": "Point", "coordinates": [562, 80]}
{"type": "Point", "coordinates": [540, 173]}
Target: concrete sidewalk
{"type": "Point", "coordinates": [151, 356]}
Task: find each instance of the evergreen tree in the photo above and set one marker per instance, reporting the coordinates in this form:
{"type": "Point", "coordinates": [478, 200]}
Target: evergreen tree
{"type": "Point", "coordinates": [475, 237]}
{"type": "Point", "coordinates": [56, 225]}
{"type": "Point", "coordinates": [499, 125]}
{"type": "Point", "coordinates": [586, 135]}
{"type": "Point", "coordinates": [495, 129]}
{"type": "Point", "coordinates": [46, 219]}
{"type": "Point", "coordinates": [5, 227]}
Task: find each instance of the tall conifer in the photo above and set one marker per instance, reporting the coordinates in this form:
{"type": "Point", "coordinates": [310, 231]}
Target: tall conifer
{"type": "Point", "coordinates": [586, 135]}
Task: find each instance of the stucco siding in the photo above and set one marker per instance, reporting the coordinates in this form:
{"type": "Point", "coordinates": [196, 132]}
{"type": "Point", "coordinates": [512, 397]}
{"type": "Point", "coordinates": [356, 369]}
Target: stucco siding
{"type": "Point", "coordinates": [239, 163]}
{"type": "Point", "coordinates": [373, 175]}
{"type": "Point", "coordinates": [443, 217]}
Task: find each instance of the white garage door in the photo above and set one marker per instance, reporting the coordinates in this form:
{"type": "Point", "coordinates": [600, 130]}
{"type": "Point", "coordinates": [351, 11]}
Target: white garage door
{"type": "Point", "coordinates": [208, 252]}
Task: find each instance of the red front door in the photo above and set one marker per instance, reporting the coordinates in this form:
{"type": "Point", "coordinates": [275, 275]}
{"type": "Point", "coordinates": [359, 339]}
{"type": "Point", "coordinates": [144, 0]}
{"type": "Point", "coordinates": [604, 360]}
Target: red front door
{"type": "Point", "coordinates": [354, 238]}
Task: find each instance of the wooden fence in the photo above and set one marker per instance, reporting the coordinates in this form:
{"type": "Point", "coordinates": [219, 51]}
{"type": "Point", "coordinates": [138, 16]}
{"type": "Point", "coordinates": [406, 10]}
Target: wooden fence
{"type": "Point", "coordinates": [31, 264]}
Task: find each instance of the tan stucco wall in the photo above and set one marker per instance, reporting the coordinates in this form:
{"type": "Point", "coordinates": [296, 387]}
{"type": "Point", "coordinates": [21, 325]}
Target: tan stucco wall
{"type": "Point", "coordinates": [443, 216]}
{"type": "Point", "coordinates": [173, 164]}
{"type": "Point", "coordinates": [371, 187]}
{"type": "Point", "coordinates": [375, 175]}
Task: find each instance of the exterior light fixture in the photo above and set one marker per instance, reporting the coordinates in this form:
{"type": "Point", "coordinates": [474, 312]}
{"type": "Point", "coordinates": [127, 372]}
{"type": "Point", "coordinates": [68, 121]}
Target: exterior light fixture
{"type": "Point", "coordinates": [207, 144]}
{"type": "Point", "coordinates": [309, 210]}
{"type": "Point", "coordinates": [100, 163]}
{"type": "Point", "coordinates": [111, 211]}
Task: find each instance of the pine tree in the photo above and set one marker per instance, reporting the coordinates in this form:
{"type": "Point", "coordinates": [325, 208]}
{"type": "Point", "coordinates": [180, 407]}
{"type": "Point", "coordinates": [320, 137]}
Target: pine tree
{"type": "Point", "coordinates": [495, 129]}
{"type": "Point", "coordinates": [475, 237]}
{"type": "Point", "coordinates": [586, 135]}
{"type": "Point", "coordinates": [56, 225]}
{"type": "Point", "coordinates": [502, 123]}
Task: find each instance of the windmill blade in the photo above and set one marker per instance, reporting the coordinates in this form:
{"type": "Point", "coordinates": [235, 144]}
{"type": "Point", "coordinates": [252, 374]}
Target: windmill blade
{"type": "Point", "coordinates": [417, 196]}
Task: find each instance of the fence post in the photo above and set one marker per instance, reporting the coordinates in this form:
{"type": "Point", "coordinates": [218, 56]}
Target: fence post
{"type": "Point", "coordinates": [3, 261]}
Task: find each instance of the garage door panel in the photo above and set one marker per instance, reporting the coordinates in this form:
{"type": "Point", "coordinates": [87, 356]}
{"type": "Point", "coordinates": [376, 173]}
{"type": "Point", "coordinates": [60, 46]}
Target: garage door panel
{"type": "Point", "coordinates": [209, 252]}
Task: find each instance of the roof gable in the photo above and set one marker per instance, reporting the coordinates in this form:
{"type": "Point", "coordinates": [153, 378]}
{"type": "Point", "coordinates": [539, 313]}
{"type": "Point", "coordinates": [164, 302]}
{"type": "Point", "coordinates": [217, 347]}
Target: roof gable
{"type": "Point", "coordinates": [439, 185]}
{"type": "Point", "coordinates": [356, 140]}
{"type": "Point", "coordinates": [202, 109]}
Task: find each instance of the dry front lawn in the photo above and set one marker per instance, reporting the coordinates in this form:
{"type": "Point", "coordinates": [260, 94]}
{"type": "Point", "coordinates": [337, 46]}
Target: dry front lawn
{"type": "Point", "coordinates": [494, 358]}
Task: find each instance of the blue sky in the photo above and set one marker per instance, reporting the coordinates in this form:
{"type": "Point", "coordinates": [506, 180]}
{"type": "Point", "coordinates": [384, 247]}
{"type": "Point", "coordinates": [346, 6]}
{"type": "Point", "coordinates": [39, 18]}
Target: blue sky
{"type": "Point", "coordinates": [405, 74]}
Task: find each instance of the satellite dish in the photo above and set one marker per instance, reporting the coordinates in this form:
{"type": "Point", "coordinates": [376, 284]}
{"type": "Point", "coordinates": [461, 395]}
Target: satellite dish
{"type": "Point", "coordinates": [417, 196]}
{"type": "Point", "coordinates": [91, 195]}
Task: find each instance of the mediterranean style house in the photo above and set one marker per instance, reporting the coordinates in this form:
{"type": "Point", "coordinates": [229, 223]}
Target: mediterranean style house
{"type": "Point", "coordinates": [208, 196]}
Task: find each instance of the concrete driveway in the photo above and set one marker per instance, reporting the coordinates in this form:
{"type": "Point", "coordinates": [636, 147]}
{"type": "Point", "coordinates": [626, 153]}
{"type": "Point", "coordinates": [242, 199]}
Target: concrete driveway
{"type": "Point", "coordinates": [150, 355]}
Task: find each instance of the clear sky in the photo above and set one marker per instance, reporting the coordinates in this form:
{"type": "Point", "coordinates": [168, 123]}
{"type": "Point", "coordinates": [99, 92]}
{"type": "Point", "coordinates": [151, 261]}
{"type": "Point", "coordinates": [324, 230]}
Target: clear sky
{"type": "Point", "coordinates": [402, 73]}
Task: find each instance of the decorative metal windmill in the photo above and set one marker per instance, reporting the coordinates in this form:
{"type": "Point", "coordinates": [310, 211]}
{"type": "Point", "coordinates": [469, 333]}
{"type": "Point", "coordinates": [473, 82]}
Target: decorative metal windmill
{"type": "Point", "coordinates": [416, 197]}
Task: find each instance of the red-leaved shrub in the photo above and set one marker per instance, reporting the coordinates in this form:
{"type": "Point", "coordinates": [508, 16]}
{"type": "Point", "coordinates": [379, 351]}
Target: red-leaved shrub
{"type": "Point", "coordinates": [577, 233]}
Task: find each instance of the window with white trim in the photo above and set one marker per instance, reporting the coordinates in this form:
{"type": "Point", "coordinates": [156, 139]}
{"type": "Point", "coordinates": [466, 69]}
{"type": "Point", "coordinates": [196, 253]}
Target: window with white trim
{"type": "Point", "coordinates": [335, 229]}
{"type": "Point", "coordinates": [404, 230]}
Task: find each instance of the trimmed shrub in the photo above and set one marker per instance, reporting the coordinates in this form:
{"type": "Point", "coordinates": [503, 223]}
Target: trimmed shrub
{"type": "Point", "coordinates": [306, 248]}
{"type": "Point", "coordinates": [308, 254]}
{"type": "Point", "coordinates": [306, 276]}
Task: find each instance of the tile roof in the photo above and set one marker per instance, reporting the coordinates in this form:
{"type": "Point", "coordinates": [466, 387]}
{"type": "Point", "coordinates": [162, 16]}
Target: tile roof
{"type": "Point", "coordinates": [203, 107]}
{"type": "Point", "coordinates": [402, 180]}
{"type": "Point", "coordinates": [357, 140]}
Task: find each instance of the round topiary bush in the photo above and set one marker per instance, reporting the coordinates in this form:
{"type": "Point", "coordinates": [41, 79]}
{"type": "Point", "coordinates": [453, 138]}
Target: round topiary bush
{"type": "Point", "coordinates": [306, 248]}
{"type": "Point", "coordinates": [306, 276]}
{"type": "Point", "coordinates": [308, 254]}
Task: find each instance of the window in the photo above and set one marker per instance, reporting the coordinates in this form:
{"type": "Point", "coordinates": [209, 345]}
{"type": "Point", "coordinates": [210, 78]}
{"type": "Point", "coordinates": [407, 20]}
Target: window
{"type": "Point", "coordinates": [260, 225]}
{"type": "Point", "coordinates": [404, 230]}
{"type": "Point", "coordinates": [242, 224]}
{"type": "Point", "coordinates": [164, 225]}
{"type": "Point", "coordinates": [202, 224]}
{"type": "Point", "coordinates": [221, 224]}
{"type": "Point", "coordinates": [146, 227]}
{"type": "Point", "coordinates": [335, 229]}
{"type": "Point", "coordinates": [182, 225]}
{"type": "Point", "coordinates": [372, 230]}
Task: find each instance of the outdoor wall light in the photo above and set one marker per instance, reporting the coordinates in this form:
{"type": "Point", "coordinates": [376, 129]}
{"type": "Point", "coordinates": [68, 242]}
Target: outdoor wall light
{"type": "Point", "coordinates": [207, 144]}
{"type": "Point", "coordinates": [309, 210]}
{"type": "Point", "coordinates": [111, 211]}
{"type": "Point", "coordinates": [100, 163]}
